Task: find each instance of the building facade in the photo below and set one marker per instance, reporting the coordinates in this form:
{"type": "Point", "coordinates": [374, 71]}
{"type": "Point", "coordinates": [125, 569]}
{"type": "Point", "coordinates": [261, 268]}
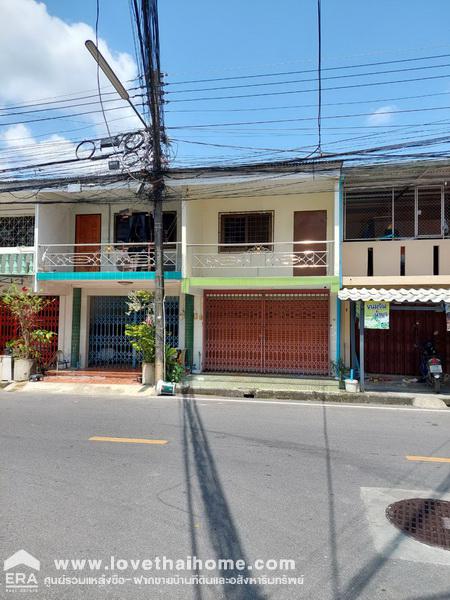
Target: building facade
{"type": "Point", "coordinates": [396, 248]}
{"type": "Point", "coordinates": [251, 260]}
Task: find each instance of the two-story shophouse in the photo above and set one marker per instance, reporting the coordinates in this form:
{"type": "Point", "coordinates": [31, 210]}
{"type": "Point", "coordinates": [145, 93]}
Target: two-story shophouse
{"type": "Point", "coordinates": [251, 261]}
{"type": "Point", "coordinates": [261, 262]}
{"type": "Point", "coordinates": [396, 249]}
{"type": "Point", "coordinates": [86, 248]}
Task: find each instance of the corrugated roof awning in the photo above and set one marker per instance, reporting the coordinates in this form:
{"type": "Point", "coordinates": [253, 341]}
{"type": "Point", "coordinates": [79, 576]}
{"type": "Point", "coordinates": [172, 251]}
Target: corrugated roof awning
{"type": "Point", "coordinates": [396, 294]}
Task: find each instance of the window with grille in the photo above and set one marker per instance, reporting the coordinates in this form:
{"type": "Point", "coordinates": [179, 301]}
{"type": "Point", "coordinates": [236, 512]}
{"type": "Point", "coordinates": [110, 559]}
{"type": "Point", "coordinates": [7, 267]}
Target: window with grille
{"type": "Point", "coordinates": [397, 213]}
{"type": "Point", "coordinates": [368, 213]}
{"type": "Point", "coordinates": [16, 231]}
{"type": "Point", "coordinates": [250, 228]}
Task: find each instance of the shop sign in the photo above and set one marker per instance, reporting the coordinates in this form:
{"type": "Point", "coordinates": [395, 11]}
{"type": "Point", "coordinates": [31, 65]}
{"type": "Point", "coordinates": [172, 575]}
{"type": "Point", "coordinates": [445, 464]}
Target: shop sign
{"type": "Point", "coordinates": [376, 315]}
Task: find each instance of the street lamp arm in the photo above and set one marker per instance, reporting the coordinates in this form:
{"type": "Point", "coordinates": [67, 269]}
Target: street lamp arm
{"type": "Point", "coordinates": [114, 80]}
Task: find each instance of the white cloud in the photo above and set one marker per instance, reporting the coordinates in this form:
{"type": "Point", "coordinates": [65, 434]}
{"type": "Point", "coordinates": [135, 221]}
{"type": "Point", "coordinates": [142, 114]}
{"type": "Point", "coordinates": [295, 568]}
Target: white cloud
{"type": "Point", "coordinates": [41, 56]}
{"type": "Point", "coordinates": [381, 116]}
{"type": "Point", "coordinates": [20, 147]}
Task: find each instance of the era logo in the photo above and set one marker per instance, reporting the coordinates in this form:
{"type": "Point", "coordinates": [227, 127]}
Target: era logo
{"type": "Point", "coordinates": [21, 580]}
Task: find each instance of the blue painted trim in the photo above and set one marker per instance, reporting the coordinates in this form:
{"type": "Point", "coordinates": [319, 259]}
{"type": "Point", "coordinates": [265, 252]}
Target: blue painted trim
{"type": "Point", "coordinates": [341, 226]}
{"type": "Point", "coordinates": [106, 276]}
{"type": "Point", "coordinates": [341, 237]}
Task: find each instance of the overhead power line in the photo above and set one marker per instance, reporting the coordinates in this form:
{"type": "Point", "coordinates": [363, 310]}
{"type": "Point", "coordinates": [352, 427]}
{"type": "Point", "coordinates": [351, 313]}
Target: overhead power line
{"type": "Point", "coordinates": [314, 105]}
{"type": "Point", "coordinates": [347, 116]}
{"type": "Point", "coordinates": [286, 92]}
{"type": "Point", "coordinates": [308, 80]}
{"type": "Point", "coordinates": [336, 68]}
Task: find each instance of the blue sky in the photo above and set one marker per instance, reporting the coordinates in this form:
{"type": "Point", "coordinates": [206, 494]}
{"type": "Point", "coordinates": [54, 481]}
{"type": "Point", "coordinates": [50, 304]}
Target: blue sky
{"type": "Point", "coordinates": [205, 39]}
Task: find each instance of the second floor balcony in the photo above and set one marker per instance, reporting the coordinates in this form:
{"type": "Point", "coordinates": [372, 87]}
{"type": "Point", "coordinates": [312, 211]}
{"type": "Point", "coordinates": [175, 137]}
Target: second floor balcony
{"type": "Point", "coordinates": [17, 261]}
{"type": "Point", "coordinates": [111, 259]}
{"type": "Point", "coordinates": [272, 259]}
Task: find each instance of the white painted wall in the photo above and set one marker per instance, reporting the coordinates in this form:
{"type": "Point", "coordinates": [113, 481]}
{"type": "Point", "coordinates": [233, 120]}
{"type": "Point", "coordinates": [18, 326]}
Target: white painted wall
{"type": "Point", "coordinates": [57, 223]}
{"type": "Point", "coordinates": [53, 224]}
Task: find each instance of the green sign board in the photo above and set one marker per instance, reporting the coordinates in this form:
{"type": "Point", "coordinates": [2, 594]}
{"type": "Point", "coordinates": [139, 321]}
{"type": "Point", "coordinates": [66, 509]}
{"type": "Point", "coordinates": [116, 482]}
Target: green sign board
{"type": "Point", "coordinates": [376, 315]}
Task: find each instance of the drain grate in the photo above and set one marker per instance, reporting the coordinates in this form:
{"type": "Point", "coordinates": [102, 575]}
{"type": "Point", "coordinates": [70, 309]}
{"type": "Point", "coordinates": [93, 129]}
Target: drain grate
{"type": "Point", "coordinates": [427, 520]}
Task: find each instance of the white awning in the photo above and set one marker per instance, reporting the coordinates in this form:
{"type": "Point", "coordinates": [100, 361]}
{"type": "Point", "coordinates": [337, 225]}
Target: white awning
{"type": "Point", "coordinates": [396, 294]}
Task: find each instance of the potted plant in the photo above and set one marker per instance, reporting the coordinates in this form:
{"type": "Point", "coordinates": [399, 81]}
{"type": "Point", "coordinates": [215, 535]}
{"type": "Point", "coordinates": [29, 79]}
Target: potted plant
{"type": "Point", "coordinates": [142, 334]}
{"type": "Point", "coordinates": [340, 371]}
{"type": "Point", "coordinates": [25, 306]}
{"type": "Point", "coordinates": [174, 369]}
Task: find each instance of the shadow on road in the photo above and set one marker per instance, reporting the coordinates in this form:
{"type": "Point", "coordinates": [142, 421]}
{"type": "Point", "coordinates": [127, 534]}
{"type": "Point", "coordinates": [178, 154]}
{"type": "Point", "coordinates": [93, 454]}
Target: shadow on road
{"type": "Point", "coordinates": [357, 584]}
{"type": "Point", "coordinates": [222, 532]}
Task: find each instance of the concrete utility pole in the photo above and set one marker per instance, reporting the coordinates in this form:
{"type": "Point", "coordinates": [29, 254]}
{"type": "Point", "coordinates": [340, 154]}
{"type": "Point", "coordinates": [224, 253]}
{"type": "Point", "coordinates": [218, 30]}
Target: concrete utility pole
{"type": "Point", "coordinates": [147, 30]}
{"type": "Point", "coordinates": [148, 33]}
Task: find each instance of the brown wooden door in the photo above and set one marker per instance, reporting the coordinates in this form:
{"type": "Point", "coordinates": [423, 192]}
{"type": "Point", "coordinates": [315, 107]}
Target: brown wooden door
{"type": "Point", "coordinates": [397, 350]}
{"type": "Point", "coordinates": [87, 231]}
{"type": "Point", "coordinates": [310, 225]}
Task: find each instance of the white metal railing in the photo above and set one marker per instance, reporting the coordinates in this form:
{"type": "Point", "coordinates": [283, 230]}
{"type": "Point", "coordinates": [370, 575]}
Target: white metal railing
{"type": "Point", "coordinates": [105, 257]}
{"type": "Point", "coordinates": [271, 256]}
{"type": "Point", "coordinates": [17, 261]}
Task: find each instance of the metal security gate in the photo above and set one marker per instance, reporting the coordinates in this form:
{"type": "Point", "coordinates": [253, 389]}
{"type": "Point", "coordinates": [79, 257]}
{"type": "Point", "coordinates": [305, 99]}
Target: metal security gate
{"type": "Point", "coordinates": [108, 344]}
{"type": "Point", "coordinates": [267, 331]}
{"type": "Point", "coordinates": [48, 319]}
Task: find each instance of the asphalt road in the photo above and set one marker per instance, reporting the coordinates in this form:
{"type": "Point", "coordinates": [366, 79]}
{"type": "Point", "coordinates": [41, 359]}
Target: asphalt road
{"type": "Point", "coordinates": [236, 480]}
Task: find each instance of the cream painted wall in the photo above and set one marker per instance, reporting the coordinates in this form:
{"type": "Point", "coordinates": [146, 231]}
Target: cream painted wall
{"type": "Point", "coordinates": [202, 227]}
{"type": "Point", "coordinates": [386, 257]}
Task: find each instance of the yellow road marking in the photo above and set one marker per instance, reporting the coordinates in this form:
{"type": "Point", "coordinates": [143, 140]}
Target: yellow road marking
{"type": "Point", "coordinates": [97, 438]}
{"type": "Point", "coordinates": [439, 459]}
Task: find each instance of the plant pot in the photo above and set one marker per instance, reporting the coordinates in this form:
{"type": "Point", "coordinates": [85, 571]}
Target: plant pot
{"type": "Point", "coordinates": [341, 384]}
{"type": "Point", "coordinates": [22, 369]}
{"type": "Point", "coordinates": [148, 373]}
{"type": "Point", "coordinates": [351, 385]}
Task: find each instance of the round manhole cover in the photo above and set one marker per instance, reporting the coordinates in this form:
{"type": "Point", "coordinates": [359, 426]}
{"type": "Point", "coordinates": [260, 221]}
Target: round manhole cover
{"type": "Point", "coordinates": [425, 519]}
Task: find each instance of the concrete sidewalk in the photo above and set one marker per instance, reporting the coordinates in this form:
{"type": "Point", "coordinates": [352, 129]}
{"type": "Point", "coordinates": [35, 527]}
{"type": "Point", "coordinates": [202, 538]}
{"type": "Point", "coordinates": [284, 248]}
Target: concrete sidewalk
{"type": "Point", "coordinates": [261, 388]}
{"type": "Point", "coordinates": [89, 389]}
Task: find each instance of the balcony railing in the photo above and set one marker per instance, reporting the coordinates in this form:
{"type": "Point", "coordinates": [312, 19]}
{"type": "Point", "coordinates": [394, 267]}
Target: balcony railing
{"type": "Point", "coordinates": [17, 261]}
{"type": "Point", "coordinates": [275, 258]}
{"type": "Point", "coordinates": [105, 257]}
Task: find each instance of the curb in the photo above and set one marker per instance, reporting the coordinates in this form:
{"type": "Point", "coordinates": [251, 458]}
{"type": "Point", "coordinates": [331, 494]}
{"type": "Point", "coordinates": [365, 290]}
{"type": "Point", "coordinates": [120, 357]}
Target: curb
{"type": "Point", "coordinates": [313, 396]}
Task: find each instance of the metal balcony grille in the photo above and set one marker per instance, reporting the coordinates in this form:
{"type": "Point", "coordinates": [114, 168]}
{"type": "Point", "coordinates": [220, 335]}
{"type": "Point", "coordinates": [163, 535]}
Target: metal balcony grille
{"type": "Point", "coordinates": [16, 231]}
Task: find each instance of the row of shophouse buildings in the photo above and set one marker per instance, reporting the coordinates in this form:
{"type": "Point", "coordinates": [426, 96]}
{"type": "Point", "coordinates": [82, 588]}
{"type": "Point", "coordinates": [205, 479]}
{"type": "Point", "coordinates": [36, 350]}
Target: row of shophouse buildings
{"type": "Point", "coordinates": [264, 270]}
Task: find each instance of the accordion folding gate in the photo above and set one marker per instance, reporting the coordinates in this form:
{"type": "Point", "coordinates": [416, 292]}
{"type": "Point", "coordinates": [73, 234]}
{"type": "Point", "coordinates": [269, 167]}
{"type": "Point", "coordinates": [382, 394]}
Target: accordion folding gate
{"type": "Point", "coordinates": [47, 319]}
{"type": "Point", "coordinates": [267, 331]}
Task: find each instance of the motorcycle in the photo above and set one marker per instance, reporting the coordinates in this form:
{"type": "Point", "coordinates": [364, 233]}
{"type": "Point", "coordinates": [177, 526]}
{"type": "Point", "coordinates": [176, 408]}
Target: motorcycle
{"type": "Point", "coordinates": [431, 367]}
